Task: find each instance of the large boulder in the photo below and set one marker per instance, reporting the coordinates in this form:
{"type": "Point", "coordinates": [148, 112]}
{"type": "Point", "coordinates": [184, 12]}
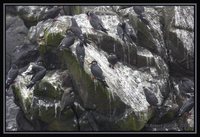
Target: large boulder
{"type": "Point", "coordinates": [42, 101]}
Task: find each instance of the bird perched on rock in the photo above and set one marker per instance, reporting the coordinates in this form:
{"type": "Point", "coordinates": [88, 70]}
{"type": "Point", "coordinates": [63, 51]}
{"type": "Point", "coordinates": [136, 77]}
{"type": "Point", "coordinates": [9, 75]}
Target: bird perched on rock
{"type": "Point", "coordinates": [98, 73]}
{"type": "Point", "coordinates": [80, 52]}
{"type": "Point", "coordinates": [67, 102]}
{"type": "Point", "coordinates": [126, 33]}
{"type": "Point", "coordinates": [24, 57]}
{"type": "Point", "coordinates": [67, 98]}
{"type": "Point", "coordinates": [150, 97]}
{"type": "Point", "coordinates": [112, 59]}
{"type": "Point", "coordinates": [77, 31]}
{"type": "Point", "coordinates": [139, 10]}
{"type": "Point", "coordinates": [95, 22]}
{"type": "Point", "coordinates": [38, 72]}
{"type": "Point", "coordinates": [12, 75]}
{"type": "Point", "coordinates": [120, 31]}
{"type": "Point", "coordinates": [67, 41]}
{"type": "Point", "coordinates": [186, 86]}
{"type": "Point", "coordinates": [51, 13]}
{"type": "Point", "coordinates": [186, 107]}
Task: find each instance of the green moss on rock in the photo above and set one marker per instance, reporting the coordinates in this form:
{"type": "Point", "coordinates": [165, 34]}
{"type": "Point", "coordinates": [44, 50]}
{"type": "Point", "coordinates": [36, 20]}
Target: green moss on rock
{"type": "Point", "coordinates": [134, 123]}
{"type": "Point", "coordinates": [46, 89]}
{"type": "Point", "coordinates": [64, 123]}
{"type": "Point", "coordinates": [53, 39]}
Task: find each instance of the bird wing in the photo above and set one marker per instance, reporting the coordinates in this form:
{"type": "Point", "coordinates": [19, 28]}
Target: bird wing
{"type": "Point", "coordinates": [95, 17]}
{"type": "Point", "coordinates": [186, 107]}
{"type": "Point", "coordinates": [97, 72]}
{"type": "Point", "coordinates": [151, 98]}
{"type": "Point", "coordinates": [64, 98]}
{"type": "Point", "coordinates": [67, 41]}
{"type": "Point", "coordinates": [12, 74]}
{"type": "Point", "coordinates": [80, 51]}
{"type": "Point", "coordinates": [76, 30]}
{"type": "Point", "coordinates": [154, 99]}
{"type": "Point", "coordinates": [94, 24]}
{"type": "Point", "coordinates": [74, 23]}
{"type": "Point", "coordinates": [120, 31]}
{"type": "Point", "coordinates": [39, 75]}
{"type": "Point", "coordinates": [99, 21]}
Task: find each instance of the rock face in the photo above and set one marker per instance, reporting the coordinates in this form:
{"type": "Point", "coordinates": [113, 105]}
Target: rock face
{"type": "Point", "coordinates": [180, 40]}
{"type": "Point", "coordinates": [16, 33]}
{"type": "Point", "coordinates": [150, 61]}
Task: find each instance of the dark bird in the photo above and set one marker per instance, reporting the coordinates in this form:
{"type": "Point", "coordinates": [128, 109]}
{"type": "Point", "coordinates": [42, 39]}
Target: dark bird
{"type": "Point", "coordinates": [66, 81]}
{"type": "Point", "coordinates": [139, 10]}
{"type": "Point", "coordinates": [40, 61]}
{"type": "Point", "coordinates": [12, 75]}
{"type": "Point", "coordinates": [98, 73]}
{"type": "Point", "coordinates": [80, 52]}
{"type": "Point", "coordinates": [186, 86]}
{"type": "Point", "coordinates": [95, 22]}
{"type": "Point", "coordinates": [24, 57]}
{"type": "Point", "coordinates": [126, 33]}
{"type": "Point", "coordinates": [77, 31]}
{"type": "Point", "coordinates": [51, 13]}
{"type": "Point", "coordinates": [186, 107]}
{"type": "Point", "coordinates": [120, 31]}
{"type": "Point", "coordinates": [67, 102]}
{"type": "Point", "coordinates": [38, 73]}
{"type": "Point", "coordinates": [67, 98]}
{"type": "Point", "coordinates": [150, 97]}
{"type": "Point", "coordinates": [67, 41]}
{"type": "Point", "coordinates": [112, 59]}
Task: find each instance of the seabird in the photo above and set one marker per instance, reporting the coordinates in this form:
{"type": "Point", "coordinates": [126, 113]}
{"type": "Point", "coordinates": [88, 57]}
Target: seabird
{"type": "Point", "coordinates": [77, 31]}
{"type": "Point", "coordinates": [38, 72]}
{"type": "Point", "coordinates": [80, 52]}
{"type": "Point", "coordinates": [98, 73]}
{"type": "Point", "coordinates": [95, 22]}
{"type": "Point", "coordinates": [112, 59]}
{"type": "Point", "coordinates": [12, 75]}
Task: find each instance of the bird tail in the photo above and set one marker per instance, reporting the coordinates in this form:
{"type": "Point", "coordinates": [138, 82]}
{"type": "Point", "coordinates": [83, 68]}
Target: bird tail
{"type": "Point", "coordinates": [104, 83]}
{"type": "Point", "coordinates": [81, 62]}
{"type": "Point", "coordinates": [144, 20]}
{"type": "Point", "coordinates": [85, 43]}
{"type": "Point", "coordinates": [29, 86]}
{"type": "Point", "coordinates": [59, 47]}
{"type": "Point", "coordinates": [105, 30]}
{"type": "Point", "coordinates": [7, 85]}
{"type": "Point", "coordinates": [177, 114]}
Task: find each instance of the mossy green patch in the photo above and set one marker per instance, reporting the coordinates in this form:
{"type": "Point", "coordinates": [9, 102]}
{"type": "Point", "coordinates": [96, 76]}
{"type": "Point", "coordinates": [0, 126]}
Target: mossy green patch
{"type": "Point", "coordinates": [46, 89]}
{"type": "Point", "coordinates": [18, 98]}
{"type": "Point", "coordinates": [53, 39]}
{"type": "Point", "coordinates": [64, 123]}
{"type": "Point", "coordinates": [134, 123]}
